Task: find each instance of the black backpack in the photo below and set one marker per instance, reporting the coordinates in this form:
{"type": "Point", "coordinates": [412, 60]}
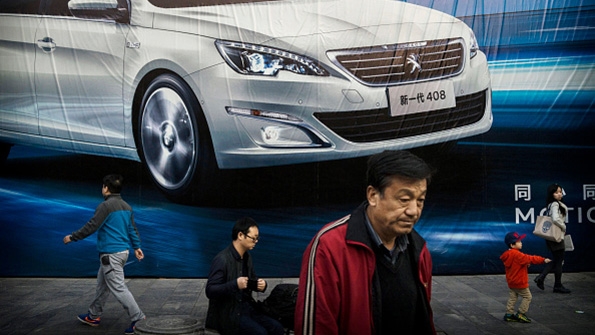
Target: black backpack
{"type": "Point", "coordinates": [280, 304]}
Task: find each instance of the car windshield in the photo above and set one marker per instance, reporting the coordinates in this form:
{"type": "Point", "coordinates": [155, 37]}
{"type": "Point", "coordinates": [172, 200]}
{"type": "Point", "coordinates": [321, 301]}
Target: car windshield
{"type": "Point", "coordinates": [199, 3]}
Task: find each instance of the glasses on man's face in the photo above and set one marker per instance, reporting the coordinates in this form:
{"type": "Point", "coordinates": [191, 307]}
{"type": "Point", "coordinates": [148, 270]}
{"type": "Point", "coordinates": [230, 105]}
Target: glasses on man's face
{"type": "Point", "coordinates": [255, 239]}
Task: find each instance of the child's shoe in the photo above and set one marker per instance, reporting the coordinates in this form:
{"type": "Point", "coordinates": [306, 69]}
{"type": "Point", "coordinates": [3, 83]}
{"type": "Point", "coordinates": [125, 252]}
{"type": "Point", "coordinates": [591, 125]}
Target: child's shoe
{"type": "Point", "coordinates": [522, 318]}
{"type": "Point", "coordinates": [86, 318]}
{"type": "Point", "coordinates": [510, 317]}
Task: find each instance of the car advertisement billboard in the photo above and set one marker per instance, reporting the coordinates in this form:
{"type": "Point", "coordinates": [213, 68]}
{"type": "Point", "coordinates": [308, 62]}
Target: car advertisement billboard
{"type": "Point", "coordinates": [214, 110]}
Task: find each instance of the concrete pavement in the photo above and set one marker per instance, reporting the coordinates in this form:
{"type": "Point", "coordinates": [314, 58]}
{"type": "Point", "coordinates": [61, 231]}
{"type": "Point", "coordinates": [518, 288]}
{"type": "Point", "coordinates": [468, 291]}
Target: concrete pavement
{"type": "Point", "coordinates": [463, 305]}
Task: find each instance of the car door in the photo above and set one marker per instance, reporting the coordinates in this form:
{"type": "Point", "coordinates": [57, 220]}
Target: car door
{"type": "Point", "coordinates": [78, 77]}
{"type": "Point", "coordinates": [19, 20]}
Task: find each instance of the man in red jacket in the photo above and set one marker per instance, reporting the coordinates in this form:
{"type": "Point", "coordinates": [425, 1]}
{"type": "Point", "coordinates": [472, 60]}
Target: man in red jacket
{"type": "Point", "coordinates": [371, 272]}
{"type": "Point", "coordinates": [516, 265]}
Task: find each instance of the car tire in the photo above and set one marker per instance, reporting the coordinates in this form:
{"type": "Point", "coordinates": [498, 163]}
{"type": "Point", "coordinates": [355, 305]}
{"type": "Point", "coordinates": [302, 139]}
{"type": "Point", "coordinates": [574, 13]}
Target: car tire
{"type": "Point", "coordinates": [173, 140]}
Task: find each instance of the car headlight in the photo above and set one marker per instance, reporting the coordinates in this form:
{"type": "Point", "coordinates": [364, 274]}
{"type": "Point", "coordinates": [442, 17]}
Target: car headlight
{"type": "Point", "coordinates": [473, 45]}
{"type": "Point", "coordinates": [249, 58]}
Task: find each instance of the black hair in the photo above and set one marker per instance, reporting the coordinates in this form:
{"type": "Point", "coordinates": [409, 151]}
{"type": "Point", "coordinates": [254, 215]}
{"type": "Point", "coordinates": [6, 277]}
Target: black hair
{"type": "Point", "coordinates": [549, 198]}
{"type": "Point", "coordinates": [388, 164]}
{"type": "Point", "coordinates": [113, 183]}
{"type": "Point", "coordinates": [242, 226]}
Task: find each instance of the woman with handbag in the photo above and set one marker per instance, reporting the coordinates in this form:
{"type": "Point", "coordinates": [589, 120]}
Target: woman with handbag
{"type": "Point", "coordinates": [558, 211]}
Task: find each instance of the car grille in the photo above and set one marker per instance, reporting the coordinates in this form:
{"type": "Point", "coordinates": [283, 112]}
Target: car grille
{"type": "Point", "coordinates": [402, 63]}
{"type": "Point", "coordinates": [378, 125]}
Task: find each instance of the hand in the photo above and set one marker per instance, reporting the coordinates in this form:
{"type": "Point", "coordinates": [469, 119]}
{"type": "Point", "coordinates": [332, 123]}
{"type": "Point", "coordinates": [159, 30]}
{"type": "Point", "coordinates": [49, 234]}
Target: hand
{"type": "Point", "coordinates": [139, 254]}
{"type": "Point", "coordinates": [547, 260]}
{"type": "Point", "coordinates": [242, 283]}
{"type": "Point", "coordinates": [261, 285]}
{"type": "Point", "coordinates": [67, 239]}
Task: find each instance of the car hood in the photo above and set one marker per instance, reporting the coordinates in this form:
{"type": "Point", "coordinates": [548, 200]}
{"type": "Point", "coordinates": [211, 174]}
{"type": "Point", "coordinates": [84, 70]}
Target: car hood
{"type": "Point", "coordinates": [307, 26]}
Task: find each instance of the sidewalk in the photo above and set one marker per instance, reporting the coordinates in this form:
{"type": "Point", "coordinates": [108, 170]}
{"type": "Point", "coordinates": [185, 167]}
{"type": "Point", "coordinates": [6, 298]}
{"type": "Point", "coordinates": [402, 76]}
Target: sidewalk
{"type": "Point", "coordinates": [462, 304]}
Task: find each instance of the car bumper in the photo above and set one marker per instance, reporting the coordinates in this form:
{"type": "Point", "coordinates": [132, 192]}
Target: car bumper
{"type": "Point", "coordinates": [304, 132]}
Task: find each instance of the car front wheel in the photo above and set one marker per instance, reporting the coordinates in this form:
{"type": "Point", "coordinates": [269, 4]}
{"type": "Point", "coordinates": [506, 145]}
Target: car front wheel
{"type": "Point", "coordinates": [174, 139]}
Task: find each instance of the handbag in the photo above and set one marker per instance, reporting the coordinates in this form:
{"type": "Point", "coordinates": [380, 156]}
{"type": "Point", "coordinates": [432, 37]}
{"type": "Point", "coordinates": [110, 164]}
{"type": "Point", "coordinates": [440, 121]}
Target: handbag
{"type": "Point", "coordinates": [568, 245]}
{"type": "Point", "coordinates": [545, 228]}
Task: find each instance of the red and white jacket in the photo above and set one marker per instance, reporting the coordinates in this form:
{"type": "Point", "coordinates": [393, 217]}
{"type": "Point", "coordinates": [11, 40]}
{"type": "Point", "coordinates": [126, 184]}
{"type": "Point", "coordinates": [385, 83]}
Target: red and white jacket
{"type": "Point", "coordinates": [337, 283]}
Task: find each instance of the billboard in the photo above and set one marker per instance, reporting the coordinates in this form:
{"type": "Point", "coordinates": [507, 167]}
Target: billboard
{"type": "Point", "coordinates": [216, 110]}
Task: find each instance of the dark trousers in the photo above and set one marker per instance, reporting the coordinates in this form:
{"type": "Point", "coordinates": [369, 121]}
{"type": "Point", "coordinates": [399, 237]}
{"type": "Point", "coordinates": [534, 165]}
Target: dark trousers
{"type": "Point", "coordinates": [555, 266]}
{"type": "Point", "coordinates": [253, 322]}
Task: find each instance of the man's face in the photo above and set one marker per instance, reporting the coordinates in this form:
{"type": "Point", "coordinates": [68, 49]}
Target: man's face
{"type": "Point", "coordinates": [250, 239]}
{"type": "Point", "coordinates": [396, 211]}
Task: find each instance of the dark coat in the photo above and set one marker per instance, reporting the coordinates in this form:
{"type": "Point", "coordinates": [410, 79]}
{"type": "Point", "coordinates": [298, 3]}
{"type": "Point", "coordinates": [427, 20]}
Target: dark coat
{"type": "Point", "coordinates": [225, 298]}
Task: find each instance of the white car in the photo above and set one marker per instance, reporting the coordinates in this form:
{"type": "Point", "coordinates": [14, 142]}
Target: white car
{"type": "Point", "coordinates": [187, 87]}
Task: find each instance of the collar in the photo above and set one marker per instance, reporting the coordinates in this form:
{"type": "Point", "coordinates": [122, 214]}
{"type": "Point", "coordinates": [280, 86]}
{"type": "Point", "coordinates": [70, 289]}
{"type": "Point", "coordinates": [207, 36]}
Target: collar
{"type": "Point", "coordinates": [357, 232]}
{"type": "Point", "coordinates": [236, 254]}
{"type": "Point", "coordinates": [401, 242]}
{"type": "Point", "coordinates": [111, 195]}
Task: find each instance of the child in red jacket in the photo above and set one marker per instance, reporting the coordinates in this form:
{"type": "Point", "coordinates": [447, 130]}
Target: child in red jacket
{"type": "Point", "coordinates": [516, 265]}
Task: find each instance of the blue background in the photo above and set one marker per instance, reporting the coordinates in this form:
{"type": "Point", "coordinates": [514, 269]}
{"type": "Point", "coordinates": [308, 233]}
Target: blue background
{"type": "Point", "coordinates": [542, 133]}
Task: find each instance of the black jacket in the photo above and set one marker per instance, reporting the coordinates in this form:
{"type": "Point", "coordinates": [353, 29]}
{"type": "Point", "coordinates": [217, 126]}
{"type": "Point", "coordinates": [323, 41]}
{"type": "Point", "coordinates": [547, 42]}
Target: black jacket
{"type": "Point", "coordinates": [225, 298]}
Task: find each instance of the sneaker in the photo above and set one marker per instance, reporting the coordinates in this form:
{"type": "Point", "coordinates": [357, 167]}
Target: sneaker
{"type": "Point", "coordinates": [522, 318]}
{"type": "Point", "coordinates": [510, 317]}
{"type": "Point", "coordinates": [539, 281]}
{"type": "Point", "coordinates": [130, 330]}
{"type": "Point", "coordinates": [561, 289]}
{"type": "Point", "coordinates": [86, 318]}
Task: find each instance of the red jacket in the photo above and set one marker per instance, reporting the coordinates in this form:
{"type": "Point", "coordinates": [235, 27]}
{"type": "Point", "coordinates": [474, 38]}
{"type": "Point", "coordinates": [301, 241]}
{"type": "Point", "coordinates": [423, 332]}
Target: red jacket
{"type": "Point", "coordinates": [337, 279]}
{"type": "Point", "coordinates": [516, 265]}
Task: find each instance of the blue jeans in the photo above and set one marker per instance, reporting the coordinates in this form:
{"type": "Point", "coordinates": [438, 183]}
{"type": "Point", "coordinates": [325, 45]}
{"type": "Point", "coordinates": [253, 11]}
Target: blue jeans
{"type": "Point", "coordinates": [254, 323]}
{"type": "Point", "coordinates": [110, 278]}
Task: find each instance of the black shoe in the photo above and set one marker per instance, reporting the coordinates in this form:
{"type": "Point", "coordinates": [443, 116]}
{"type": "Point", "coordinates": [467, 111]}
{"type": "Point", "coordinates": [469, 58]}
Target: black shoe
{"type": "Point", "coordinates": [561, 289]}
{"type": "Point", "coordinates": [539, 281]}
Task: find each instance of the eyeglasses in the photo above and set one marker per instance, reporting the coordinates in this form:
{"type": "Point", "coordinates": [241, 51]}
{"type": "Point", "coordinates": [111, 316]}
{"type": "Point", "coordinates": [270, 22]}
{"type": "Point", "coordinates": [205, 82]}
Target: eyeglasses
{"type": "Point", "coordinates": [255, 239]}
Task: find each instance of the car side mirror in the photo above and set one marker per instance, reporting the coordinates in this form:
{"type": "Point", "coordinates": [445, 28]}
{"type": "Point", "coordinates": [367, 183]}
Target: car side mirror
{"type": "Point", "coordinates": [116, 10]}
